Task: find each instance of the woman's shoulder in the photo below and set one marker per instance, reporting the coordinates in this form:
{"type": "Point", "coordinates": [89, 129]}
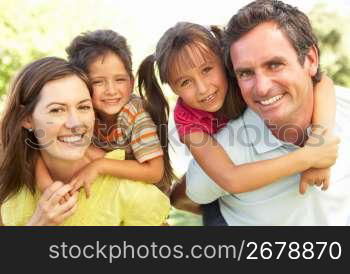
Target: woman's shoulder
{"type": "Point", "coordinates": [17, 210]}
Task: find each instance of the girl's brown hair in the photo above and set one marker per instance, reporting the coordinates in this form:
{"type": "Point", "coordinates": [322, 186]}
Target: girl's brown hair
{"type": "Point", "coordinates": [19, 145]}
{"type": "Point", "coordinates": [169, 53]}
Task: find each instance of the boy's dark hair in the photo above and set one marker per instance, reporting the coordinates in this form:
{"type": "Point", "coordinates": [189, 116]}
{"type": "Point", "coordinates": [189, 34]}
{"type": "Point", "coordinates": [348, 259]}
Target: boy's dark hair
{"type": "Point", "coordinates": [293, 23]}
{"type": "Point", "coordinates": [85, 48]}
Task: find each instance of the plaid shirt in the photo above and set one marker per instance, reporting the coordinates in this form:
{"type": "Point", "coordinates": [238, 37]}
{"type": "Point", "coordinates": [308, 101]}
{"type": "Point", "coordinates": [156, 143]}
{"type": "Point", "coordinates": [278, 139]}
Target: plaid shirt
{"type": "Point", "coordinates": [134, 131]}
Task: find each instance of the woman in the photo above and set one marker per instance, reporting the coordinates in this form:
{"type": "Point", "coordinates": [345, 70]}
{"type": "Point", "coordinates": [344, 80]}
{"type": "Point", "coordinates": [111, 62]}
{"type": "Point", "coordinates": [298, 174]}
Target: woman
{"type": "Point", "coordinates": [50, 113]}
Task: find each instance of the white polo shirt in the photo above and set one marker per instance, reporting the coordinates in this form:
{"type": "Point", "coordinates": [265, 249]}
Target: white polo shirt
{"type": "Point", "coordinates": [247, 139]}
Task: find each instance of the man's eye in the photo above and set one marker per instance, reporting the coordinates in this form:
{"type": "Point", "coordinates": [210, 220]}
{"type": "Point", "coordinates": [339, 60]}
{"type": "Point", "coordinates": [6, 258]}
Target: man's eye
{"type": "Point", "coordinates": [244, 74]}
{"type": "Point", "coordinates": [275, 66]}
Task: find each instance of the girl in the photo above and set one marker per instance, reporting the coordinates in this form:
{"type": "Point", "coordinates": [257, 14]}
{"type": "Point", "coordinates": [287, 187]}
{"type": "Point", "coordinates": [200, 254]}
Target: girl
{"type": "Point", "coordinates": [121, 120]}
{"type": "Point", "coordinates": [188, 57]}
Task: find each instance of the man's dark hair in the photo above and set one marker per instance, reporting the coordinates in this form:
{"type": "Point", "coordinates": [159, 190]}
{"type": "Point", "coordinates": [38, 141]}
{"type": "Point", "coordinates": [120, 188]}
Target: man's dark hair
{"type": "Point", "coordinates": [293, 23]}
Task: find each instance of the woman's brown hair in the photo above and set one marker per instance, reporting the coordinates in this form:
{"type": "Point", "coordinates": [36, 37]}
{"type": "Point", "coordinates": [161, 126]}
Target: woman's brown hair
{"type": "Point", "coordinates": [20, 145]}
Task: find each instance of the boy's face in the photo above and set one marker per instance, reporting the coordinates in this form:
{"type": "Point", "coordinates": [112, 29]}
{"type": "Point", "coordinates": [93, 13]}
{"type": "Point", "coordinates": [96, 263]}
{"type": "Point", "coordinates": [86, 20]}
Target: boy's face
{"type": "Point", "coordinates": [112, 84]}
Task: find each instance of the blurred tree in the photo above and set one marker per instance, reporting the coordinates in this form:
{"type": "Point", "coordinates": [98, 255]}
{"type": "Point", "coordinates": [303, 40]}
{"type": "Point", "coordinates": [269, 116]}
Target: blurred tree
{"type": "Point", "coordinates": [334, 42]}
{"type": "Point", "coordinates": [30, 29]}
{"type": "Point", "coordinates": [17, 45]}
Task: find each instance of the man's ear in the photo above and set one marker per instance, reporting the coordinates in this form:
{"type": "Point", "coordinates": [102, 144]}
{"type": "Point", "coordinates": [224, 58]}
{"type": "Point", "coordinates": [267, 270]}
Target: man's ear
{"type": "Point", "coordinates": [312, 60]}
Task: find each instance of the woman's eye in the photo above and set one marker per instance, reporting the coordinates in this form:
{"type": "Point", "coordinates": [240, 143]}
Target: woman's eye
{"type": "Point", "coordinates": [56, 110]}
{"type": "Point", "coordinates": [85, 108]}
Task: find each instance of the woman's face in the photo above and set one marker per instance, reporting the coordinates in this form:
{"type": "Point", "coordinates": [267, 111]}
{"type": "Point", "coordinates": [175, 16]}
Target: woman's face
{"type": "Point", "coordinates": [63, 119]}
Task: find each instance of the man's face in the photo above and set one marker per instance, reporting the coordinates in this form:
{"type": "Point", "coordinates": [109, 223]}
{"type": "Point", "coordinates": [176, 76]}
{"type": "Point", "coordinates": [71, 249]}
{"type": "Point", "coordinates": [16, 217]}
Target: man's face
{"type": "Point", "coordinates": [273, 82]}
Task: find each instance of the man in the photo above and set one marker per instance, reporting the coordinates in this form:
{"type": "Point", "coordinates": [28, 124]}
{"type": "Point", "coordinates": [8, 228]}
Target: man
{"type": "Point", "coordinates": [270, 48]}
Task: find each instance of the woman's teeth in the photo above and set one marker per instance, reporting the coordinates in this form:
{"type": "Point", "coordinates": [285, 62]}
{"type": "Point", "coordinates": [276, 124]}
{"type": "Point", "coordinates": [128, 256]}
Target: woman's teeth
{"type": "Point", "coordinates": [271, 100]}
{"type": "Point", "coordinates": [70, 139]}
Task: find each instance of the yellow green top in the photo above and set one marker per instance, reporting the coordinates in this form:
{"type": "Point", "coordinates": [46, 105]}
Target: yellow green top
{"type": "Point", "coordinates": [113, 202]}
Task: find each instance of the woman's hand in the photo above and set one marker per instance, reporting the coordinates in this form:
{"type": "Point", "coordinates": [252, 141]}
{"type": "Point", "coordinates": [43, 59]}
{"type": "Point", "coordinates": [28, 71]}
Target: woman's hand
{"type": "Point", "coordinates": [49, 211]}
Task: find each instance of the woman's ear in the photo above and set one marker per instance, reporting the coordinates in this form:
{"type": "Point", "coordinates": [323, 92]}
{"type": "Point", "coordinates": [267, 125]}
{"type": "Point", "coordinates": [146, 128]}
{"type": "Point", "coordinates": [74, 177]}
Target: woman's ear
{"type": "Point", "coordinates": [313, 60]}
{"type": "Point", "coordinates": [27, 123]}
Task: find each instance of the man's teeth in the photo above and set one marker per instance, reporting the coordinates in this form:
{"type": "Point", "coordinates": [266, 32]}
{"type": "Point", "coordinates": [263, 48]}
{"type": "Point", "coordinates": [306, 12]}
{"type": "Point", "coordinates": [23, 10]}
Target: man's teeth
{"type": "Point", "coordinates": [71, 139]}
{"type": "Point", "coordinates": [210, 97]}
{"type": "Point", "coordinates": [271, 100]}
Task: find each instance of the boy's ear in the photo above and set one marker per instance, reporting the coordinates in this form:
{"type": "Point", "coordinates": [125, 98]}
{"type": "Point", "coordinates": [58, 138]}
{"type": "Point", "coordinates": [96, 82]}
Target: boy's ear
{"type": "Point", "coordinates": [313, 60]}
{"type": "Point", "coordinates": [132, 81]}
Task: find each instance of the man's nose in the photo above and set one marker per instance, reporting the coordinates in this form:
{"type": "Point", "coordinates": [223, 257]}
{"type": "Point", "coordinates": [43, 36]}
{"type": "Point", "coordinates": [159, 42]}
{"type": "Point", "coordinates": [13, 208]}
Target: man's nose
{"type": "Point", "coordinates": [262, 85]}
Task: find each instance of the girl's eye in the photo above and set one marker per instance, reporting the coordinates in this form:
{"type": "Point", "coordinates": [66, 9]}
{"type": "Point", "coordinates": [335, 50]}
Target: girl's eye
{"type": "Point", "coordinates": [207, 69]}
{"type": "Point", "coordinates": [185, 83]}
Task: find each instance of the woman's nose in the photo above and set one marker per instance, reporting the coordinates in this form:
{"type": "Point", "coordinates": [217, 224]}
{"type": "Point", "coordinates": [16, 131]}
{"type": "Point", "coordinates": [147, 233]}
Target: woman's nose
{"type": "Point", "coordinates": [73, 120]}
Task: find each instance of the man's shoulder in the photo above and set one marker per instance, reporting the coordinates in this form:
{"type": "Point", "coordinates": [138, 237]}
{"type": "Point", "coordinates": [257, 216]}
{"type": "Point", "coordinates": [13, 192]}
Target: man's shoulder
{"type": "Point", "coordinates": [342, 110]}
{"type": "Point", "coordinates": [342, 100]}
{"type": "Point", "coordinates": [235, 126]}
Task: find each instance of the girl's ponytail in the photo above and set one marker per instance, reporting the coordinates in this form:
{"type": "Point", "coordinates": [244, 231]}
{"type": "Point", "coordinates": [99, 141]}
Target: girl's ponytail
{"type": "Point", "coordinates": [157, 106]}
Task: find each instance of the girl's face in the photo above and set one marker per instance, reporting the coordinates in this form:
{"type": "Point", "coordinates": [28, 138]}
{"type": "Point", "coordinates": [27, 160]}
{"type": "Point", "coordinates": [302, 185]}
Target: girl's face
{"type": "Point", "coordinates": [112, 84]}
{"type": "Point", "coordinates": [63, 119]}
{"type": "Point", "coordinates": [203, 83]}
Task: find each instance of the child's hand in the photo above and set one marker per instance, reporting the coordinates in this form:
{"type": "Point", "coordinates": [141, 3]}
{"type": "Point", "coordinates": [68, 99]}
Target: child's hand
{"type": "Point", "coordinates": [323, 150]}
{"type": "Point", "coordinates": [312, 176]}
{"type": "Point", "coordinates": [85, 178]}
